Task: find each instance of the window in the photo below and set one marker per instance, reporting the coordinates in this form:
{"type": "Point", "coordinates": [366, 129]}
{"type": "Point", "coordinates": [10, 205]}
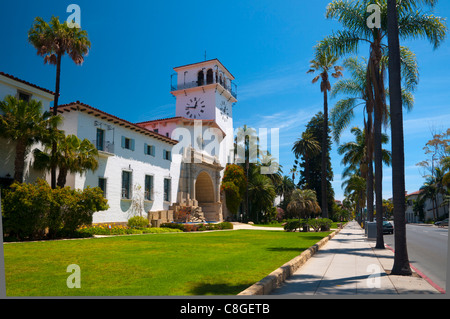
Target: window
{"type": "Point", "coordinates": [24, 96]}
{"type": "Point", "coordinates": [148, 194]}
{"type": "Point", "coordinates": [102, 185]}
{"type": "Point", "coordinates": [127, 143]}
{"type": "Point", "coordinates": [209, 76]}
{"type": "Point", "coordinates": [167, 155]}
{"type": "Point", "coordinates": [156, 130]}
{"type": "Point", "coordinates": [149, 149]}
{"type": "Point", "coordinates": [100, 142]}
{"type": "Point", "coordinates": [200, 78]}
{"type": "Point", "coordinates": [167, 189]}
{"type": "Point", "coordinates": [126, 185]}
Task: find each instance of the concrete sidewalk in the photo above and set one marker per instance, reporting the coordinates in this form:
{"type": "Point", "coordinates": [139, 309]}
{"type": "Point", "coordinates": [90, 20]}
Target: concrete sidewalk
{"type": "Point", "coordinates": [348, 264]}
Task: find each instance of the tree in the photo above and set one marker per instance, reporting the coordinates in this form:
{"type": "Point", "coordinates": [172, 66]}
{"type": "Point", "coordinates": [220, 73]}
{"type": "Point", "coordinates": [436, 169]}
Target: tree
{"type": "Point", "coordinates": [234, 185]}
{"type": "Point", "coordinates": [73, 155]}
{"type": "Point", "coordinates": [324, 62]}
{"type": "Point", "coordinates": [355, 191]}
{"type": "Point", "coordinates": [262, 192]}
{"type": "Point", "coordinates": [315, 127]}
{"type": "Point", "coordinates": [413, 23]}
{"type": "Point", "coordinates": [303, 203]}
{"type": "Point", "coordinates": [24, 123]}
{"type": "Point", "coordinates": [52, 41]}
{"type": "Point", "coordinates": [246, 152]}
{"type": "Point", "coordinates": [306, 147]}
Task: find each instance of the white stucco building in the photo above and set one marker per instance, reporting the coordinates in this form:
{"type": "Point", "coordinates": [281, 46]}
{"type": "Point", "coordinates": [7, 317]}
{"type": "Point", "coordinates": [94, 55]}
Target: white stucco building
{"type": "Point", "coordinates": [168, 163]}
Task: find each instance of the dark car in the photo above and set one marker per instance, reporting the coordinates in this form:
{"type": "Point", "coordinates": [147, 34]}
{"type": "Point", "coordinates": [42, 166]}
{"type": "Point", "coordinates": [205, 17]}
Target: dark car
{"type": "Point", "coordinates": [442, 223]}
{"type": "Point", "coordinates": [388, 228]}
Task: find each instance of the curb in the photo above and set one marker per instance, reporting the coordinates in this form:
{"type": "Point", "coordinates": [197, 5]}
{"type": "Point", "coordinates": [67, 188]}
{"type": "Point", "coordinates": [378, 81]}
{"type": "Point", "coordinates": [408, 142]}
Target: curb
{"type": "Point", "coordinates": [277, 277]}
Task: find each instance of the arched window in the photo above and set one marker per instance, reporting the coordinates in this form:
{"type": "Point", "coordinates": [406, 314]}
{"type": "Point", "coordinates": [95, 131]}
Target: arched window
{"type": "Point", "coordinates": [200, 78]}
{"type": "Point", "coordinates": [209, 76]}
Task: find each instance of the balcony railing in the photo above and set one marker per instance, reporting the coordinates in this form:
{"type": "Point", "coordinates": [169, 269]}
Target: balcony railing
{"type": "Point", "coordinates": [230, 88]}
{"type": "Point", "coordinates": [105, 147]}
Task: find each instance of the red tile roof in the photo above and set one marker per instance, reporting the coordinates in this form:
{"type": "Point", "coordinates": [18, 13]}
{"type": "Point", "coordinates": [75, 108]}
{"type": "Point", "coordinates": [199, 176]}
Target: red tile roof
{"type": "Point", "coordinates": [184, 119]}
{"type": "Point", "coordinates": [78, 106]}
{"type": "Point", "coordinates": [25, 82]}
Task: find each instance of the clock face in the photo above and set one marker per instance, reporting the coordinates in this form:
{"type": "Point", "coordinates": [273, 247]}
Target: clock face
{"type": "Point", "coordinates": [195, 107]}
{"type": "Point", "coordinates": [224, 110]}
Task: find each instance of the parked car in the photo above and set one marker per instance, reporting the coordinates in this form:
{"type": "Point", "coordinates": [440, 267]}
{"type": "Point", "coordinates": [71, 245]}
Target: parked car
{"type": "Point", "coordinates": [388, 228]}
{"type": "Point", "coordinates": [442, 223]}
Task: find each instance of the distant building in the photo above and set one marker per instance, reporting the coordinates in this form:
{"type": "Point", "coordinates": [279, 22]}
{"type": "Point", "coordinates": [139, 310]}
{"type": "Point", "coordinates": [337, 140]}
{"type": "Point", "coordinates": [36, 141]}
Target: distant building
{"type": "Point", "coordinates": [411, 216]}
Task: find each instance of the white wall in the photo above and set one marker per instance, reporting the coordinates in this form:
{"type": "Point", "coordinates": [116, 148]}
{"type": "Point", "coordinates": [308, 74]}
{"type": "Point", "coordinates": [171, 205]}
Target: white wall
{"type": "Point", "coordinates": [135, 161]}
{"type": "Point", "coordinates": [7, 148]}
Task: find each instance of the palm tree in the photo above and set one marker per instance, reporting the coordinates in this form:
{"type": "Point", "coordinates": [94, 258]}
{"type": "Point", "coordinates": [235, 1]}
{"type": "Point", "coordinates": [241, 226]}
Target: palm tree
{"type": "Point", "coordinates": [53, 40]}
{"type": "Point", "coordinates": [262, 192]}
{"type": "Point", "coordinates": [355, 159]}
{"type": "Point", "coordinates": [26, 124]}
{"type": "Point", "coordinates": [285, 187]}
{"type": "Point", "coordinates": [73, 156]}
{"type": "Point", "coordinates": [303, 203]}
{"type": "Point", "coordinates": [356, 90]}
{"type": "Point", "coordinates": [355, 191]}
{"type": "Point", "coordinates": [412, 23]}
{"type": "Point", "coordinates": [306, 147]}
{"type": "Point", "coordinates": [325, 62]}
{"type": "Point", "coordinates": [246, 152]}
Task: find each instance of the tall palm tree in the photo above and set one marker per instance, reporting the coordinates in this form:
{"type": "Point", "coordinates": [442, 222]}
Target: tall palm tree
{"type": "Point", "coordinates": [246, 152]}
{"type": "Point", "coordinates": [355, 159]}
{"type": "Point", "coordinates": [404, 20]}
{"type": "Point", "coordinates": [356, 91]}
{"type": "Point", "coordinates": [303, 203]}
{"type": "Point", "coordinates": [73, 156]}
{"type": "Point", "coordinates": [323, 63]}
{"type": "Point", "coordinates": [53, 40]}
{"type": "Point", "coordinates": [24, 123]}
{"type": "Point", "coordinates": [412, 22]}
{"type": "Point", "coordinates": [306, 147]}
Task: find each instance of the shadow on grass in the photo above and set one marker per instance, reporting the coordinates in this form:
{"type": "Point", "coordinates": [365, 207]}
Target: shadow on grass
{"type": "Point", "coordinates": [201, 289]}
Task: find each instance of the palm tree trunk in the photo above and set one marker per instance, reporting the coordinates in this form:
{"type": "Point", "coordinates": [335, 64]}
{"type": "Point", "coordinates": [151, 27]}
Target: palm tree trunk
{"type": "Point", "coordinates": [401, 261]}
{"type": "Point", "coordinates": [19, 161]}
{"type": "Point", "coordinates": [370, 178]}
{"type": "Point", "coordinates": [324, 155]}
{"type": "Point", "coordinates": [378, 181]}
{"type": "Point", "coordinates": [62, 177]}
{"type": "Point", "coordinates": [55, 112]}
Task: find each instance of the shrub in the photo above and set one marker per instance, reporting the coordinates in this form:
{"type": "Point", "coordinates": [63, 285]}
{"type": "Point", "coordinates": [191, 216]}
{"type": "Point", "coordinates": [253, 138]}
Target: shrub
{"type": "Point", "coordinates": [138, 222]}
{"type": "Point", "coordinates": [26, 210]}
{"type": "Point", "coordinates": [322, 224]}
{"type": "Point", "coordinates": [36, 211]}
{"type": "Point", "coordinates": [291, 225]}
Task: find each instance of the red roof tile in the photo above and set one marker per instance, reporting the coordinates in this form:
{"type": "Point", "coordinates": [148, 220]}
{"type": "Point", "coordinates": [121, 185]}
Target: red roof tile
{"type": "Point", "coordinates": [25, 82]}
{"type": "Point", "coordinates": [78, 106]}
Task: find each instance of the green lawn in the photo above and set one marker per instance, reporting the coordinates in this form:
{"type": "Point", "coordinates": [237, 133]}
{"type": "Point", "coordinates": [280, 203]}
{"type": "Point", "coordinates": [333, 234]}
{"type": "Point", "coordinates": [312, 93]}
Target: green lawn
{"type": "Point", "coordinates": [210, 263]}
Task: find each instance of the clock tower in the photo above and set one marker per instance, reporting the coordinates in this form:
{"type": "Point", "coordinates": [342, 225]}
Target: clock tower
{"type": "Point", "coordinates": [205, 91]}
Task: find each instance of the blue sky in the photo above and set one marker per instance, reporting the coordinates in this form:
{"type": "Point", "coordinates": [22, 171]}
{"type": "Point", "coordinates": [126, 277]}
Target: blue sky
{"type": "Point", "coordinates": [267, 46]}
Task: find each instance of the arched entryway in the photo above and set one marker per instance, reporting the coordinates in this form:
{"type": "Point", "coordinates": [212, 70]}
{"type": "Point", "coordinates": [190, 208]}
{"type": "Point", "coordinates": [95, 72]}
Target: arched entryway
{"type": "Point", "coordinates": [204, 188]}
{"type": "Point", "coordinates": [204, 194]}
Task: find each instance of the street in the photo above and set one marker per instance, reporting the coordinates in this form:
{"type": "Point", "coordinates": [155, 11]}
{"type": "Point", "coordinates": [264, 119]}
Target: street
{"type": "Point", "coordinates": [427, 250]}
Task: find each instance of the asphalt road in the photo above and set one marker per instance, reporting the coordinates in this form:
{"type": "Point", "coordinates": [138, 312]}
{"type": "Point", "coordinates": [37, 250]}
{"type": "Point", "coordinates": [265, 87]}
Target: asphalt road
{"type": "Point", "coordinates": [427, 250]}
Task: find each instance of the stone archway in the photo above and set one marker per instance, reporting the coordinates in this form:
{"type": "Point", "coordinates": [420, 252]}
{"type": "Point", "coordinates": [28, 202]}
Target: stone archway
{"type": "Point", "coordinates": [206, 197]}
